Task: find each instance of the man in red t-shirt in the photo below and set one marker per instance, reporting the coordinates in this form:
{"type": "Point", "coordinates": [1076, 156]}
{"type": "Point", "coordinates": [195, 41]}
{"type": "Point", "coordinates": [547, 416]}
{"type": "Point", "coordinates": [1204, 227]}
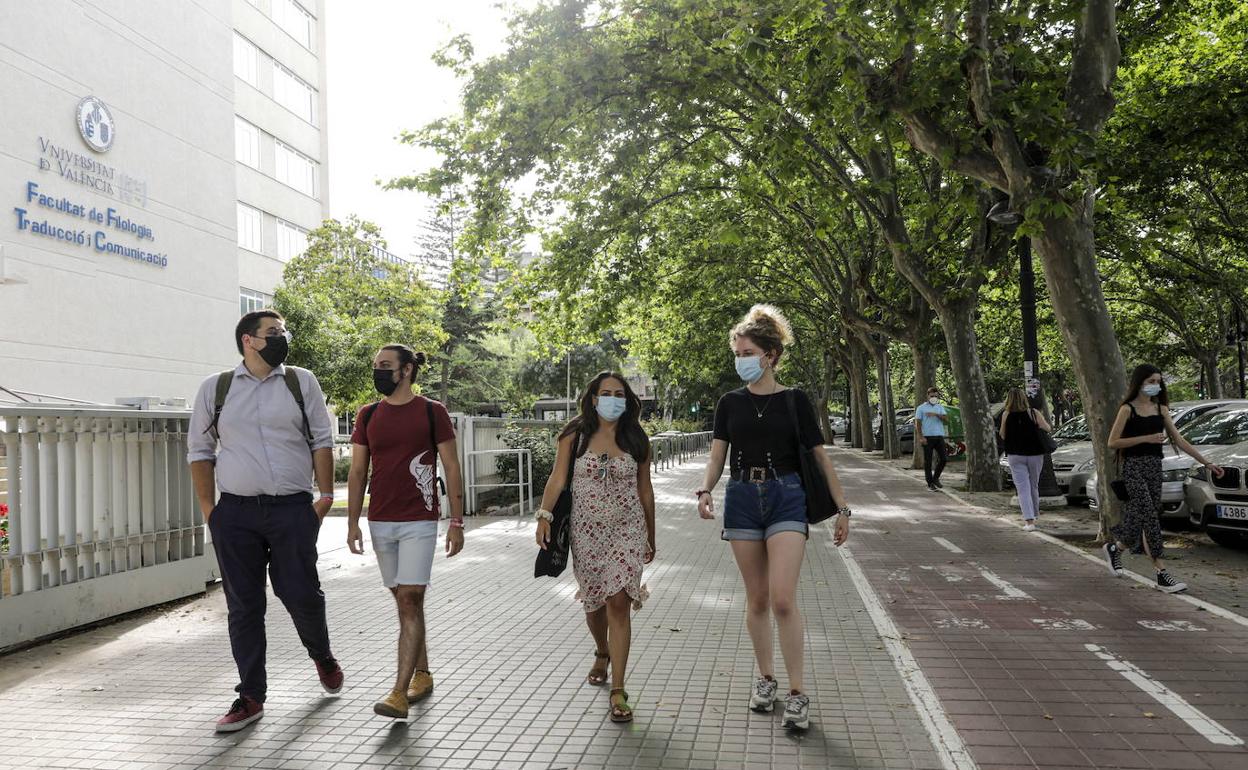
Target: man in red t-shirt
{"type": "Point", "coordinates": [403, 436]}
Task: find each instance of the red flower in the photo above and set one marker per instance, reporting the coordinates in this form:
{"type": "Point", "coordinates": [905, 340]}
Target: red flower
{"type": "Point", "coordinates": [4, 509]}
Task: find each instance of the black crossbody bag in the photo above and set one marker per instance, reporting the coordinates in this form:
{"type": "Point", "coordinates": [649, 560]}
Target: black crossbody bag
{"type": "Point", "coordinates": [819, 502]}
{"type": "Point", "coordinates": [553, 559]}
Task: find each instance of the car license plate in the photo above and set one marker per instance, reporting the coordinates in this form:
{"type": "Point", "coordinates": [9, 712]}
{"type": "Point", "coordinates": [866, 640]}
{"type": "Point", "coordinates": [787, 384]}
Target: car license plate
{"type": "Point", "coordinates": [1232, 512]}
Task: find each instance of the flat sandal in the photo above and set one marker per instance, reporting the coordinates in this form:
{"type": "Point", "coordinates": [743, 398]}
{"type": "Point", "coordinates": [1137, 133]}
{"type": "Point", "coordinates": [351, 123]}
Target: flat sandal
{"type": "Point", "coordinates": [621, 712]}
{"type": "Point", "coordinates": [598, 675]}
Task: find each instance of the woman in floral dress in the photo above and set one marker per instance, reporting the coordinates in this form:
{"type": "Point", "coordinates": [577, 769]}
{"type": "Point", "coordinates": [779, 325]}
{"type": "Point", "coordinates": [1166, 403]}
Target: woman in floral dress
{"type": "Point", "coordinates": [612, 521]}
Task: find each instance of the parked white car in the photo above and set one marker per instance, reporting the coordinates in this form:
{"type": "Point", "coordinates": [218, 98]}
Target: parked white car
{"type": "Point", "coordinates": [839, 424]}
{"type": "Point", "coordinates": [1220, 505]}
{"type": "Point", "coordinates": [1219, 427]}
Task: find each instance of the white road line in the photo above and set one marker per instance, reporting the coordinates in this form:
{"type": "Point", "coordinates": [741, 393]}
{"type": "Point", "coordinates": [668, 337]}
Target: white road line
{"type": "Point", "coordinates": [1170, 625]}
{"type": "Point", "coordinates": [1010, 591]}
{"type": "Point", "coordinates": [953, 752]}
{"type": "Point", "coordinates": [1211, 730]}
{"type": "Point", "coordinates": [881, 495]}
{"type": "Point", "coordinates": [948, 545]}
{"type": "Point", "coordinates": [1063, 624]}
{"type": "Point", "coordinates": [1209, 607]}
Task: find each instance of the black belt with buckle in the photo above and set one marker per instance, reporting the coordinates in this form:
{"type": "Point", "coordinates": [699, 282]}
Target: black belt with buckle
{"type": "Point", "coordinates": [297, 497]}
{"type": "Point", "coordinates": [754, 475]}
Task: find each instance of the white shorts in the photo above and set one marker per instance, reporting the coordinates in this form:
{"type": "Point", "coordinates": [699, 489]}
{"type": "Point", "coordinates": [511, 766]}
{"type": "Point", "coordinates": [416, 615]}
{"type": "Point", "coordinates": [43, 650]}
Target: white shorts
{"type": "Point", "coordinates": [404, 551]}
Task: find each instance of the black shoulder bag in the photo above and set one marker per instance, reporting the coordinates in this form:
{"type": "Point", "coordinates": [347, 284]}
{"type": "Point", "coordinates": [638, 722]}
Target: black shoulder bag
{"type": "Point", "coordinates": [1047, 442]}
{"type": "Point", "coordinates": [819, 502]}
{"type": "Point", "coordinates": [552, 559]}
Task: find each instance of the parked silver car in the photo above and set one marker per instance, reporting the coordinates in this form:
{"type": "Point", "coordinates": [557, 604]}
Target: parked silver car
{"type": "Point", "coordinates": [1220, 505]}
{"type": "Point", "coordinates": [839, 424]}
{"type": "Point", "coordinates": [1217, 427]}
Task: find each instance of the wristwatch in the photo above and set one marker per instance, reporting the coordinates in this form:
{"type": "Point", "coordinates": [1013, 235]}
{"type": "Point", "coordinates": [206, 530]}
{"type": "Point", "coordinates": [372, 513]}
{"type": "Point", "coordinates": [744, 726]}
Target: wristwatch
{"type": "Point", "coordinates": [844, 510]}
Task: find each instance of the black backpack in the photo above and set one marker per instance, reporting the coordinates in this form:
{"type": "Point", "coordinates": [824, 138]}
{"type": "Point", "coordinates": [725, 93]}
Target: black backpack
{"type": "Point", "coordinates": [226, 379]}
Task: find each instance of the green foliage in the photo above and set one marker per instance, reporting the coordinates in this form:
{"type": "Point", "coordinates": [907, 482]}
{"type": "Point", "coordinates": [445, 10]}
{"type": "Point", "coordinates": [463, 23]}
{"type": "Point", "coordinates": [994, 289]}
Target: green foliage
{"type": "Point", "coordinates": [661, 425]}
{"type": "Point", "coordinates": [541, 443]}
{"type": "Point", "coordinates": [342, 468]}
{"type": "Point", "coordinates": [343, 302]}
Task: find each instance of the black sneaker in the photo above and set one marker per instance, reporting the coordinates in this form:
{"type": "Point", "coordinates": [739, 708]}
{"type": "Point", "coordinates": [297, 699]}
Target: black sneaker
{"type": "Point", "coordinates": [1113, 554]}
{"type": "Point", "coordinates": [1169, 584]}
{"type": "Point", "coordinates": [938, 484]}
{"type": "Point", "coordinates": [932, 488]}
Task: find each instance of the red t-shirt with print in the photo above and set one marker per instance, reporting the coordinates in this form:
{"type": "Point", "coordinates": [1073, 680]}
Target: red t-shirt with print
{"type": "Point", "coordinates": [403, 484]}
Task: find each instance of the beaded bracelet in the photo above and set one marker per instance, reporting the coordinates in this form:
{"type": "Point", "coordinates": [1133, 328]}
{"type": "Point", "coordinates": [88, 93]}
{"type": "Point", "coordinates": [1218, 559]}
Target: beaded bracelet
{"type": "Point", "coordinates": [542, 513]}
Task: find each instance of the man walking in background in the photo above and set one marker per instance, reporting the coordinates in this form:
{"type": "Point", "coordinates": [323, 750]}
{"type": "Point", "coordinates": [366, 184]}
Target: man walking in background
{"type": "Point", "coordinates": [930, 419]}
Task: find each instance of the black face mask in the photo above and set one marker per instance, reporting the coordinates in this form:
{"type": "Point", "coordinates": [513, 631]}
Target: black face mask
{"type": "Point", "coordinates": [383, 381]}
{"type": "Point", "coordinates": [275, 351]}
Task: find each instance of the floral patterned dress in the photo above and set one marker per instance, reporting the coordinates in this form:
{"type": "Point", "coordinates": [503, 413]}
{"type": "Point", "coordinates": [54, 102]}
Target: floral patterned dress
{"type": "Point", "coordinates": [608, 530]}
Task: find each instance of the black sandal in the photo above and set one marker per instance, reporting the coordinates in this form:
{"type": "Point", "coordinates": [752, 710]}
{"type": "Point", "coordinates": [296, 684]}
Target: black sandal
{"type": "Point", "coordinates": [621, 712]}
{"type": "Point", "coordinates": [598, 674]}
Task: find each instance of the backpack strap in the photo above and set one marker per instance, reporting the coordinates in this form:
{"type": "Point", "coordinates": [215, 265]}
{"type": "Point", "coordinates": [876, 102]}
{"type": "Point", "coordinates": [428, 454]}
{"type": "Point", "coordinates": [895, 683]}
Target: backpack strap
{"type": "Point", "coordinates": [224, 380]}
{"type": "Point", "coordinates": [292, 384]}
{"type": "Point", "coordinates": [365, 416]}
{"type": "Point", "coordinates": [433, 442]}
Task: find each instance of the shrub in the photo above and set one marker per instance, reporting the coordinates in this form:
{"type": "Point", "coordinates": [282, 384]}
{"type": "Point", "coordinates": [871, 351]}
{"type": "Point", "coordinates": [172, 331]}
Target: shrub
{"type": "Point", "coordinates": [342, 468]}
{"type": "Point", "coordinates": [541, 444]}
{"type": "Point", "coordinates": [660, 425]}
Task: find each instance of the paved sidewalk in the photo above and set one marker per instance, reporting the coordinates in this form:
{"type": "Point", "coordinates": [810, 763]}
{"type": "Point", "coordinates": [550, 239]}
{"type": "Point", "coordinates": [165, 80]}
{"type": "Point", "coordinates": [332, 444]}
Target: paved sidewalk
{"type": "Point", "coordinates": [1040, 657]}
{"type": "Point", "coordinates": [509, 655]}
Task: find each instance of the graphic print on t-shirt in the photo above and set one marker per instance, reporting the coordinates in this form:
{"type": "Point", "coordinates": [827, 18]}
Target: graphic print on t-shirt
{"type": "Point", "coordinates": [424, 479]}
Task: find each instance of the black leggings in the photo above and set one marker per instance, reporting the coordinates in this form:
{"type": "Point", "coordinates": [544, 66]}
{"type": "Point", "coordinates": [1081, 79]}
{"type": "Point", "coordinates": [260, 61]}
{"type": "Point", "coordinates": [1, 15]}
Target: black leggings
{"type": "Point", "coordinates": [935, 444]}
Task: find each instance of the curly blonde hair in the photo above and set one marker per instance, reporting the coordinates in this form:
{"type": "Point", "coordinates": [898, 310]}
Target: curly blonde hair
{"type": "Point", "coordinates": [766, 327]}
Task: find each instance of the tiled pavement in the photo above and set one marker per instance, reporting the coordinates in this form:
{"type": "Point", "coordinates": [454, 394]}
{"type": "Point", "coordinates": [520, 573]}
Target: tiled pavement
{"type": "Point", "coordinates": [509, 655]}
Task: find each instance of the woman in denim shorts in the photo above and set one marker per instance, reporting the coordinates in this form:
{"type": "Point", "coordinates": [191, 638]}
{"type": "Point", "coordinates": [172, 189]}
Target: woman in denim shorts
{"type": "Point", "coordinates": [765, 505]}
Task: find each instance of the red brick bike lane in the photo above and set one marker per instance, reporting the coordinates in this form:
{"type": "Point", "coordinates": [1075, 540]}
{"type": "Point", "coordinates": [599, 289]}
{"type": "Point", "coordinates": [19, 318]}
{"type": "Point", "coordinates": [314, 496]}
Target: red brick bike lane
{"type": "Point", "coordinates": [1040, 657]}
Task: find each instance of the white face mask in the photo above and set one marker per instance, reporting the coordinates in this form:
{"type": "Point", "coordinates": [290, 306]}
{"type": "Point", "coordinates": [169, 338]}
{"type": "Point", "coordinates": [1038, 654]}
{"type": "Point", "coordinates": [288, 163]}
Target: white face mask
{"type": "Point", "coordinates": [1151, 389]}
{"type": "Point", "coordinates": [934, 400]}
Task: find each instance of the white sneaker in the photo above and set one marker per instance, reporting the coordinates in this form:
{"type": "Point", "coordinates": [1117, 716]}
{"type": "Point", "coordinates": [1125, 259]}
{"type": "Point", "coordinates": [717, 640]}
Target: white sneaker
{"type": "Point", "coordinates": [1029, 527]}
{"type": "Point", "coordinates": [763, 696]}
{"type": "Point", "coordinates": [797, 712]}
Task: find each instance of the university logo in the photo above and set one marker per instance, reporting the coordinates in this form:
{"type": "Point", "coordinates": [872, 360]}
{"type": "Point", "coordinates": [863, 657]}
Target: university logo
{"type": "Point", "coordinates": [95, 123]}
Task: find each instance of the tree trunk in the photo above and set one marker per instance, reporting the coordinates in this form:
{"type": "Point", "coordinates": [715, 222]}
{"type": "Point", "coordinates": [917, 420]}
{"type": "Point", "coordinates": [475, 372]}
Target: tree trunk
{"type": "Point", "coordinates": [828, 381]}
{"type": "Point", "coordinates": [888, 406]}
{"type": "Point", "coordinates": [1067, 250]}
{"type": "Point", "coordinates": [863, 438]}
{"type": "Point", "coordinates": [924, 378]}
{"type": "Point", "coordinates": [958, 320]}
{"type": "Point", "coordinates": [1213, 375]}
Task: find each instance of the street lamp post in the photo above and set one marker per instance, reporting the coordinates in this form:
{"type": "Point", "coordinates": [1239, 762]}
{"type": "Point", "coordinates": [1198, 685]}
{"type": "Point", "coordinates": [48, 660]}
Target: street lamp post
{"type": "Point", "coordinates": [1001, 214]}
{"type": "Point", "coordinates": [1031, 355]}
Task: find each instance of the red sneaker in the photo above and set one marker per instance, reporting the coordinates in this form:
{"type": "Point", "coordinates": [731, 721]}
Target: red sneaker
{"type": "Point", "coordinates": [242, 713]}
{"type": "Point", "coordinates": [331, 675]}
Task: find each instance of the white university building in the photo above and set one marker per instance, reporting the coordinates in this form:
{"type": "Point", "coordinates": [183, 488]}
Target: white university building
{"type": "Point", "coordinates": [159, 164]}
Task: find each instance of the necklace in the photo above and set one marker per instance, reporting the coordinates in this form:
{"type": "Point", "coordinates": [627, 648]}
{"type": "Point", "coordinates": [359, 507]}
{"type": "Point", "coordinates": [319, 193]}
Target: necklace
{"type": "Point", "coordinates": [759, 412]}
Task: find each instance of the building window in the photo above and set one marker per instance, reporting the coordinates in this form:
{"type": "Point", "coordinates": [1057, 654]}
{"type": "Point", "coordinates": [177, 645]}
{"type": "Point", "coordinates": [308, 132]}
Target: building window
{"type": "Point", "coordinates": [291, 240]}
{"type": "Point", "coordinates": [250, 228]}
{"type": "Point", "coordinates": [297, 22]}
{"type": "Point", "coordinates": [246, 143]}
{"type": "Point", "coordinates": [294, 94]}
{"type": "Point", "coordinates": [295, 169]}
{"type": "Point", "coordinates": [246, 60]}
{"type": "Point", "coordinates": [250, 300]}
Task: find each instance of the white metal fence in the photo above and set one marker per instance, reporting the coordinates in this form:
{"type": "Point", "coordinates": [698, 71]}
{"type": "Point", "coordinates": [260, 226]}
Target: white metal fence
{"type": "Point", "coordinates": [102, 517]}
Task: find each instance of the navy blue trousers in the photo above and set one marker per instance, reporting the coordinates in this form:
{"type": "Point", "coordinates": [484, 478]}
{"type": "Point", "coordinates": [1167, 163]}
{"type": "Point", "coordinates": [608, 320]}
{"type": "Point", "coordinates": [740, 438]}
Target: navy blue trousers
{"type": "Point", "coordinates": [252, 534]}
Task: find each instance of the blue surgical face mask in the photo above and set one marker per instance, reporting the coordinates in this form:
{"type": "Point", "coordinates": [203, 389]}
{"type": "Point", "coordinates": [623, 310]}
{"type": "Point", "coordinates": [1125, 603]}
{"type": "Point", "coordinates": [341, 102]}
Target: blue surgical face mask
{"type": "Point", "coordinates": [750, 368]}
{"type": "Point", "coordinates": [611, 407]}
{"type": "Point", "coordinates": [1151, 389]}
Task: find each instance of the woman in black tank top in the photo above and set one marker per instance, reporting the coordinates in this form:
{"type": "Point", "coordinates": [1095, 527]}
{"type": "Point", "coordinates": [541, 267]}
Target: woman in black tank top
{"type": "Point", "coordinates": [1138, 434]}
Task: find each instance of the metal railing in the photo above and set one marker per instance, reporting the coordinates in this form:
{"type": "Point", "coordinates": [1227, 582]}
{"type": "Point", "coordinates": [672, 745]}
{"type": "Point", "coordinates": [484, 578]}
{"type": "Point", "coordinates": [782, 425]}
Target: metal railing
{"type": "Point", "coordinates": [94, 492]}
{"type": "Point", "coordinates": [670, 451]}
{"type": "Point", "coordinates": [524, 460]}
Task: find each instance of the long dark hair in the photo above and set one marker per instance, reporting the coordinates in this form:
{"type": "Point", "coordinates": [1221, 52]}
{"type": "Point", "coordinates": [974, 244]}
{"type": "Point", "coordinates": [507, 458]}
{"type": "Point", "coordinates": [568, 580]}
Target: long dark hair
{"type": "Point", "coordinates": [1141, 373]}
{"type": "Point", "coordinates": [629, 434]}
{"type": "Point", "coordinates": [406, 356]}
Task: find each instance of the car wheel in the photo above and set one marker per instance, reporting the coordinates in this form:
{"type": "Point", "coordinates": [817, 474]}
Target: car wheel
{"type": "Point", "coordinates": [1229, 539]}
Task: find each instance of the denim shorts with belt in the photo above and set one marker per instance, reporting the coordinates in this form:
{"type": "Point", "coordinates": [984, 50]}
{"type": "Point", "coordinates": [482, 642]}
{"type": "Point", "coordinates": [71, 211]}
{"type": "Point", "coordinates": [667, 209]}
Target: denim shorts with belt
{"type": "Point", "coordinates": [759, 505]}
